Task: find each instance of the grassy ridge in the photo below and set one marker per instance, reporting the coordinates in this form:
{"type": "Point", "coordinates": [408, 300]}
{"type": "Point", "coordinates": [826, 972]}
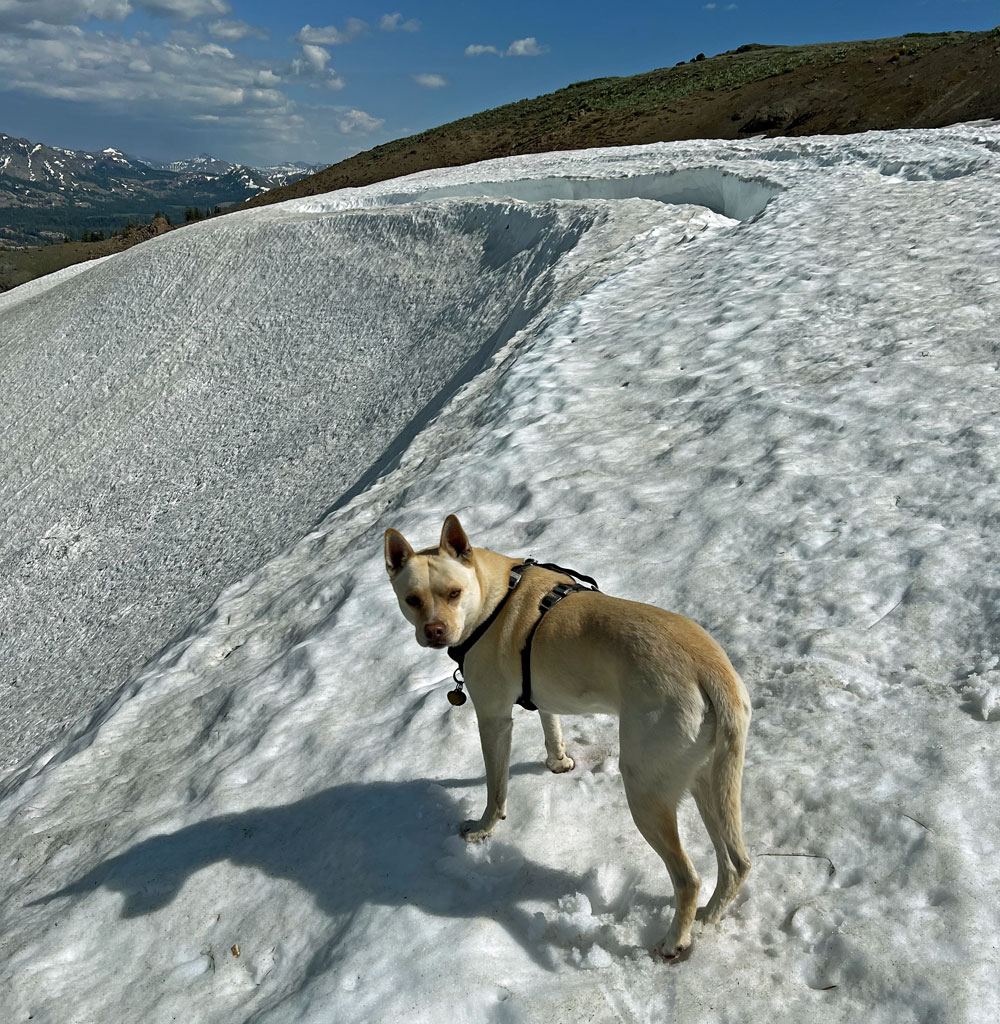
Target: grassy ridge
{"type": "Point", "coordinates": [649, 90]}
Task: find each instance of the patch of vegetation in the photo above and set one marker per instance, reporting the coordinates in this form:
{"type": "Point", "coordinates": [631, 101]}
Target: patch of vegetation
{"type": "Point", "coordinates": [44, 225]}
{"type": "Point", "coordinates": [22, 263]}
{"type": "Point", "coordinates": [193, 213]}
{"type": "Point", "coordinates": [46, 221]}
{"type": "Point", "coordinates": [18, 266]}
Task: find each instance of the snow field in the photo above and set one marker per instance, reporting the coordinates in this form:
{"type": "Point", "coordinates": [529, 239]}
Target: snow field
{"type": "Point", "coordinates": [783, 427]}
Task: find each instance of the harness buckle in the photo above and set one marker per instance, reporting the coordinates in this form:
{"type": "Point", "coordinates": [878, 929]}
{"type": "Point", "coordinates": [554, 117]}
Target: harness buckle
{"type": "Point", "coordinates": [516, 571]}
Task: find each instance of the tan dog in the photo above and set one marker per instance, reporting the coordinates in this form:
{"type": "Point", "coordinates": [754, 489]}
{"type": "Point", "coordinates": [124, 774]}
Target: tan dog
{"type": "Point", "coordinates": [683, 710]}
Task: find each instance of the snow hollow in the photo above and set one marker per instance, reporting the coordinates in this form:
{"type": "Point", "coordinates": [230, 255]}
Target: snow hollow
{"type": "Point", "coordinates": [756, 383]}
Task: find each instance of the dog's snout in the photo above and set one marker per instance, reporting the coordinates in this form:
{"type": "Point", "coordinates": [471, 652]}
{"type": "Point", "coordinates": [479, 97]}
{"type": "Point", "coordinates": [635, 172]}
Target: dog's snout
{"type": "Point", "coordinates": [434, 631]}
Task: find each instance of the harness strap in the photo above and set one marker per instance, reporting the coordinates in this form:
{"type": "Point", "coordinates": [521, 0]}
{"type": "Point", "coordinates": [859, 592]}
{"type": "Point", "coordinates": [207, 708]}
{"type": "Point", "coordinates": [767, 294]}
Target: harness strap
{"type": "Point", "coordinates": [459, 652]}
{"type": "Point", "coordinates": [552, 598]}
{"type": "Point", "coordinates": [589, 580]}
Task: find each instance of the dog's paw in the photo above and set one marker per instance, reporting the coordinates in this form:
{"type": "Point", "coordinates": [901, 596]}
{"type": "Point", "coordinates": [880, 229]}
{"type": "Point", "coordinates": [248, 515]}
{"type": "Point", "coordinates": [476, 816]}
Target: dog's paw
{"type": "Point", "coordinates": [560, 764]}
{"type": "Point", "coordinates": [474, 831]}
{"type": "Point", "coordinates": [673, 952]}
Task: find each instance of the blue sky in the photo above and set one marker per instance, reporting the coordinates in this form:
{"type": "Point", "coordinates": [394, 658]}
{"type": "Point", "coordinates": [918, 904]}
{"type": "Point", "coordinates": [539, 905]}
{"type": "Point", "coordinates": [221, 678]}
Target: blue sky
{"type": "Point", "coordinates": [259, 81]}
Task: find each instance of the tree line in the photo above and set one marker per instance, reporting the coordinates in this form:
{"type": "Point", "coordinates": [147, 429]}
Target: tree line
{"type": "Point", "coordinates": [191, 214]}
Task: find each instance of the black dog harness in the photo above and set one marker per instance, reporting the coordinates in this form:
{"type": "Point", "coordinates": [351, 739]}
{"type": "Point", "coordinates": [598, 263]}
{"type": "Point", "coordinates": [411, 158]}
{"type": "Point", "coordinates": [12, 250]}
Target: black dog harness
{"type": "Point", "coordinates": [549, 601]}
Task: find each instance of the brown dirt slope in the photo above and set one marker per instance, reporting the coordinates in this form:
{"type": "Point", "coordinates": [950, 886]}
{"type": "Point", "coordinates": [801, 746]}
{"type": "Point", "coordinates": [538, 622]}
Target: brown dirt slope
{"type": "Point", "coordinates": [20, 265]}
{"type": "Point", "coordinates": [915, 81]}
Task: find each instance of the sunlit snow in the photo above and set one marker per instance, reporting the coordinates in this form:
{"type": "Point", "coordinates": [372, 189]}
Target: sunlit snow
{"type": "Point", "coordinates": [757, 383]}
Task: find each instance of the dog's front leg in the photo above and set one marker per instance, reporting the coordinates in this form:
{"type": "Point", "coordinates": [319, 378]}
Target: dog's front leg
{"type": "Point", "coordinates": [495, 736]}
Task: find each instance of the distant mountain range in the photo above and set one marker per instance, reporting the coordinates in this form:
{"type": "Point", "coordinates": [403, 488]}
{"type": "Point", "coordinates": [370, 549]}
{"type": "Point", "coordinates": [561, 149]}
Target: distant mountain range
{"type": "Point", "coordinates": [48, 193]}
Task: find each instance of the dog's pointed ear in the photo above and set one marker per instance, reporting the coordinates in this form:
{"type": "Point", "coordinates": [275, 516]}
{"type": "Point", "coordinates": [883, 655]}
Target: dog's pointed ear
{"type": "Point", "coordinates": [454, 541]}
{"type": "Point", "coordinates": [397, 551]}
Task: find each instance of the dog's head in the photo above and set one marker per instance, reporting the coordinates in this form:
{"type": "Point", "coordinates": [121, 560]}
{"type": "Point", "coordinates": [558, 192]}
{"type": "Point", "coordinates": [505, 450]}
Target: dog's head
{"type": "Point", "coordinates": [437, 588]}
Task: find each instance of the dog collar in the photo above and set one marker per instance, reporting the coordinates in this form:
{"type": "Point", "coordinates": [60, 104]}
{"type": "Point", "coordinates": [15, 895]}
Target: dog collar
{"type": "Point", "coordinates": [458, 653]}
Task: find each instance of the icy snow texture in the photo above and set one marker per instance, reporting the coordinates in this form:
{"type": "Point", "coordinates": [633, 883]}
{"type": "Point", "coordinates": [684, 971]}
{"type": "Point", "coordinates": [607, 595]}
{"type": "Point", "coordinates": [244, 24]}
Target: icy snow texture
{"type": "Point", "coordinates": [169, 420]}
{"type": "Point", "coordinates": [783, 424]}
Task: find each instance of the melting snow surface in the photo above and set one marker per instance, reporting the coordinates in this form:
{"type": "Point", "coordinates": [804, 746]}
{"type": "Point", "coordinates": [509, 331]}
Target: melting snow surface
{"type": "Point", "coordinates": [772, 408]}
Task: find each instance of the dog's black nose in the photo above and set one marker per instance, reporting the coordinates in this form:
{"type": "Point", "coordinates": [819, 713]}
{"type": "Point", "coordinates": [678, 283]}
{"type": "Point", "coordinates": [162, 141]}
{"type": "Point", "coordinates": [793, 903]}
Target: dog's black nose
{"type": "Point", "coordinates": [434, 631]}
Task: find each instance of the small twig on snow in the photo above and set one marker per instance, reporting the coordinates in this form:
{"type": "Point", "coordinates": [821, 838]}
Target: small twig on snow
{"type": "Point", "coordinates": [918, 821]}
{"type": "Point", "coordinates": [814, 856]}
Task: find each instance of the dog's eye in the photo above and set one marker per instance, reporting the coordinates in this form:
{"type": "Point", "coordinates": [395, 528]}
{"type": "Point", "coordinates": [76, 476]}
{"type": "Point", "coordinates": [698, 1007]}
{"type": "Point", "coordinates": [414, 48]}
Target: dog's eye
{"type": "Point", "coordinates": [454, 595]}
{"type": "Point", "coordinates": [413, 601]}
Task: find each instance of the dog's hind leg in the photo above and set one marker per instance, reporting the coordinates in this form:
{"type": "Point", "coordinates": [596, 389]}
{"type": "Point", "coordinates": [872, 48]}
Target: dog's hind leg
{"type": "Point", "coordinates": [556, 759]}
{"type": "Point", "coordinates": [660, 755]}
{"type": "Point", "coordinates": [656, 819]}
{"type": "Point", "coordinates": [717, 792]}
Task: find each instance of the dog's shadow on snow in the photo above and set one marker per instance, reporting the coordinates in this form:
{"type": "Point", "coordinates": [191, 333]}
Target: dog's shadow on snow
{"type": "Point", "coordinates": [391, 843]}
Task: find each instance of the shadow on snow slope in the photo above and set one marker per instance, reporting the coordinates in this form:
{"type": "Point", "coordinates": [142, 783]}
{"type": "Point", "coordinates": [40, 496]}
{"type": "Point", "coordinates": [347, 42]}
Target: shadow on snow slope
{"type": "Point", "coordinates": [348, 846]}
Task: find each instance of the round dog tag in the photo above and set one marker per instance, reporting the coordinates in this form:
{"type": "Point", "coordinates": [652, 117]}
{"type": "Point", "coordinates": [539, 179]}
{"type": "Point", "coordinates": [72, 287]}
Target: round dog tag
{"type": "Point", "coordinates": [456, 697]}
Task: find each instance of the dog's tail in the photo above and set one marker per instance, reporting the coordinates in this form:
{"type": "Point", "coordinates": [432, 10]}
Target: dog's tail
{"type": "Point", "coordinates": [729, 697]}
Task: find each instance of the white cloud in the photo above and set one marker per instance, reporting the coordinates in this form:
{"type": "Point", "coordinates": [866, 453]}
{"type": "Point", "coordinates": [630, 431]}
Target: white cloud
{"type": "Point", "coordinates": [317, 57]}
{"type": "Point", "coordinates": [331, 35]}
{"type": "Point", "coordinates": [35, 14]}
{"type": "Point", "coordinates": [392, 22]}
{"type": "Point", "coordinates": [196, 83]}
{"type": "Point", "coordinates": [233, 31]}
{"type": "Point", "coordinates": [32, 15]}
{"type": "Point", "coordinates": [357, 122]}
{"type": "Point", "coordinates": [214, 50]}
{"type": "Point", "coordinates": [431, 81]}
{"type": "Point", "coordinates": [527, 47]}
{"type": "Point", "coordinates": [182, 9]}
{"type": "Point", "coordinates": [709, 7]}
{"type": "Point", "coordinates": [153, 79]}
{"type": "Point", "coordinates": [313, 66]}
